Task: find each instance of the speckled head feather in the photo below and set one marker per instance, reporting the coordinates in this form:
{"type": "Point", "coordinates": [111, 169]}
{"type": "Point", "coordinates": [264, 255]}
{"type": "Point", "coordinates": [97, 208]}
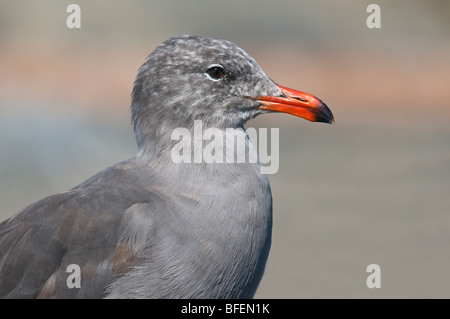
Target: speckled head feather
{"type": "Point", "coordinates": [173, 87]}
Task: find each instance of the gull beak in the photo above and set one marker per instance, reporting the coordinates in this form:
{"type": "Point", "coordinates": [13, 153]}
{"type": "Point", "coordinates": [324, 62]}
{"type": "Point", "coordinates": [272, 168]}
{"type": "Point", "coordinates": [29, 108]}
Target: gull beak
{"type": "Point", "coordinates": [297, 103]}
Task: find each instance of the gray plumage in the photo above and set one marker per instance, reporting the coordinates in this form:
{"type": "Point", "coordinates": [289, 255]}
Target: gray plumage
{"type": "Point", "coordinates": [148, 227]}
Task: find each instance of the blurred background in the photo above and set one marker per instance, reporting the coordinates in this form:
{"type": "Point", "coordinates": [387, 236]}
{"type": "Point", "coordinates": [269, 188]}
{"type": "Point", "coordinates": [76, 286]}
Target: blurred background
{"type": "Point", "coordinates": [374, 188]}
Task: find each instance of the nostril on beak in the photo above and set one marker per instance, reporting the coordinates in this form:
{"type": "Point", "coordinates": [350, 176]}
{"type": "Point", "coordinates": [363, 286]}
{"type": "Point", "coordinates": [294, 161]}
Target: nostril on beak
{"type": "Point", "coordinates": [300, 99]}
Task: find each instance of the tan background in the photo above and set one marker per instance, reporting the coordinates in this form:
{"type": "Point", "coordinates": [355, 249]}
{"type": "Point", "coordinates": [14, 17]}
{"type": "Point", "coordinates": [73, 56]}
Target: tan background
{"type": "Point", "coordinates": [373, 188]}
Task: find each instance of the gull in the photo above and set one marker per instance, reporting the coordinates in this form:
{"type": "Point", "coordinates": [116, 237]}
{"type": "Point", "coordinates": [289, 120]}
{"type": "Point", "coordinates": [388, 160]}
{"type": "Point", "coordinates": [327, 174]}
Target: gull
{"type": "Point", "coordinates": [152, 227]}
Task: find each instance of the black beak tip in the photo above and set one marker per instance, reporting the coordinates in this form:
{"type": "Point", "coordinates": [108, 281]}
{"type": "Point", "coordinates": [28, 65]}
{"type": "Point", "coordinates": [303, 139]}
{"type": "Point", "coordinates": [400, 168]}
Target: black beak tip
{"type": "Point", "coordinates": [324, 115]}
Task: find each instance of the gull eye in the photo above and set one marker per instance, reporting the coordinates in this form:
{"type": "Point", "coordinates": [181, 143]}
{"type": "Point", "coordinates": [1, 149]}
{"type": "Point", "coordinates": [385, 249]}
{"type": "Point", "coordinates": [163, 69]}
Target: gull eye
{"type": "Point", "coordinates": [216, 72]}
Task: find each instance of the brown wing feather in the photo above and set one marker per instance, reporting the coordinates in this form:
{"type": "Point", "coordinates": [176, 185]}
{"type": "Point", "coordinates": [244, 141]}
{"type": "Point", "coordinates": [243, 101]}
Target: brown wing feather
{"type": "Point", "coordinates": [90, 226]}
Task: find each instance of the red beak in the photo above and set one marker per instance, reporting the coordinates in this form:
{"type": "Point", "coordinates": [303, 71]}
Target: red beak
{"type": "Point", "coordinates": [297, 103]}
